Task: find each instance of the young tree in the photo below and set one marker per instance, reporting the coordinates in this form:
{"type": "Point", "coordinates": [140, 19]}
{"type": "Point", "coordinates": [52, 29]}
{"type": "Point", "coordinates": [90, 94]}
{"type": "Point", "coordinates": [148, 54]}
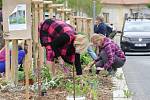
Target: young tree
{"type": "Point", "coordinates": [84, 6]}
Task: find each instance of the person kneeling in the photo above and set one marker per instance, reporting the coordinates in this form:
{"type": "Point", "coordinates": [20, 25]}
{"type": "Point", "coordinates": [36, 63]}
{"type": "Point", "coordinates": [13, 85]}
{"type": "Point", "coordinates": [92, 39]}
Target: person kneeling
{"type": "Point", "coordinates": [110, 56]}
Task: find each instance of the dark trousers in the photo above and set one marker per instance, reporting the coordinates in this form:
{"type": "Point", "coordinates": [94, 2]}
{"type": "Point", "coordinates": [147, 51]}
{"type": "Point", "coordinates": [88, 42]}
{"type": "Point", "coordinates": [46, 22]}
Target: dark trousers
{"type": "Point", "coordinates": [60, 42]}
{"type": "Point", "coordinates": [103, 58]}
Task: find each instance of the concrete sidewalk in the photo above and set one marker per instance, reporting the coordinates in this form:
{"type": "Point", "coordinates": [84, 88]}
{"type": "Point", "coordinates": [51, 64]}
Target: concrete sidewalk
{"type": "Point", "coordinates": [120, 89]}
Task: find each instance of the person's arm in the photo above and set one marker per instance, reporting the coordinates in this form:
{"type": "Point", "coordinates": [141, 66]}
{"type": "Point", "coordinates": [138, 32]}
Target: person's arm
{"type": "Point", "coordinates": [61, 61]}
{"type": "Point", "coordinates": [91, 52]}
{"type": "Point", "coordinates": [110, 54]}
{"type": "Point", "coordinates": [102, 29]}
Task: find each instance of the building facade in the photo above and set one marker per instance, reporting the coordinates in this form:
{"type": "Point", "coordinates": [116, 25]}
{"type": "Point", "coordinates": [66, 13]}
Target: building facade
{"type": "Point", "coordinates": [115, 11]}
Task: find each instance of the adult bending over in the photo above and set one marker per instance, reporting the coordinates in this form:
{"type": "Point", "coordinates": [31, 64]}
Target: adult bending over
{"type": "Point", "coordinates": [61, 42]}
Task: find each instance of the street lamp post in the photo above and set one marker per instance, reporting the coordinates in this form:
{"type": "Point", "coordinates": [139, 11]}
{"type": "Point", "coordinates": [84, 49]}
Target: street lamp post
{"type": "Point", "coordinates": [94, 12]}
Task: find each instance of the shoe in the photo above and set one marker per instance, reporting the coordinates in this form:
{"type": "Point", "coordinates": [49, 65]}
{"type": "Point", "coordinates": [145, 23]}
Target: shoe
{"type": "Point", "coordinates": [112, 71]}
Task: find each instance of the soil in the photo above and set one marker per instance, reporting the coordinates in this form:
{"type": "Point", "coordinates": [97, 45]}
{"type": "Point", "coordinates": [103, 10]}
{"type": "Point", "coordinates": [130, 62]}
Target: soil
{"type": "Point", "coordinates": [104, 92]}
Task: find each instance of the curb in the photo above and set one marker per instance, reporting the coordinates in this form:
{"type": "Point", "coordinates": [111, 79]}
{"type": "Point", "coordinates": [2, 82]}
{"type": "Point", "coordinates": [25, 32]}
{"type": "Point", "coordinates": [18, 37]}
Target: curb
{"type": "Point", "coordinates": [120, 87]}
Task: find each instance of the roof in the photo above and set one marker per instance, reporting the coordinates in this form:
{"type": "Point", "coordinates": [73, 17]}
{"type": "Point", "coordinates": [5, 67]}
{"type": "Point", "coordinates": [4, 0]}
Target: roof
{"type": "Point", "coordinates": [125, 2]}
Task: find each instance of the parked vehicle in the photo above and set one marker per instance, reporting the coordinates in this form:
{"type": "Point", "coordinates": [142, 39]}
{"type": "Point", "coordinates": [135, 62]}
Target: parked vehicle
{"type": "Point", "coordinates": [136, 35]}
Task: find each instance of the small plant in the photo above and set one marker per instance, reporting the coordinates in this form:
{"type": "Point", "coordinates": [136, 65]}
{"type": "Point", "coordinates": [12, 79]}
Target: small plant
{"type": "Point", "coordinates": [83, 86]}
{"type": "Point", "coordinates": [45, 73]}
{"type": "Point", "coordinates": [85, 59]}
{"type": "Point", "coordinates": [3, 83]}
{"type": "Point", "coordinates": [21, 75]}
{"type": "Point", "coordinates": [94, 94]}
{"type": "Point", "coordinates": [127, 93]}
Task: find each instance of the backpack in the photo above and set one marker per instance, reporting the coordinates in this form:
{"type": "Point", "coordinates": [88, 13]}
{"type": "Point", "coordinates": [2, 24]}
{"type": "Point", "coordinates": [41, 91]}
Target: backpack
{"type": "Point", "coordinates": [109, 30]}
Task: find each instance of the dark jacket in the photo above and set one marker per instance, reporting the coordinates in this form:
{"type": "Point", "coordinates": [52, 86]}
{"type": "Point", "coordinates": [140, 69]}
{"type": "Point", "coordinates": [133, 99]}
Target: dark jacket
{"type": "Point", "coordinates": [100, 29]}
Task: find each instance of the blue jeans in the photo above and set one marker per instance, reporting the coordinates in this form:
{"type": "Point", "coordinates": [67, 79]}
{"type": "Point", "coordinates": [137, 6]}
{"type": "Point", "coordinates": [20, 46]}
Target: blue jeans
{"type": "Point", "coordinates": [2, 66]}
{"type": "Point", "coordinates": [91, 53]}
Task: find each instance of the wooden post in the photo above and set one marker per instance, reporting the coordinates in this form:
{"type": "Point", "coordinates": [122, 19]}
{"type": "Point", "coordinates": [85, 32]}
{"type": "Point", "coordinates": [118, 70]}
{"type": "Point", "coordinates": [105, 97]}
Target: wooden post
{"type": "Point", "coordinates": [27, 65]}
{"type": "Point", "coordinates": [37, 17]}
{"type": "Point", "coordinates": [74, 83]}
{"type": "Point", "coordinates": [72, 21]}
{"type": "Point", "coordinates": [7, 51]}
{"type": "Point", "coordinates": [63, 11]}
{"type": "Point", "coordinates": [38, 50]}
{"type": "Point", "coordinates": [86, 30]}
{"type": "Point", "coordinates": [39, 65]}
{"type": "Point", "coordinates": [78, 24]}
{"type": "Point", "coordinates": [41, 49]}
{"type": "Point", "coordinates": [55, 6]}
{"type": "Point", "coordinates": [14, 61]}
{"type": "Point", "coordinates": [34, 34]}
{"type": "Point", "coordinates": [82, 24]}
{"type": "Point", "coordinates": [50, 9]}
{"type": "Point", "coordinates": [90, 29]}
{"type": "Point", "coordinates": [85, 26]}
{"type": "Point", "coordinates": [62, 14]}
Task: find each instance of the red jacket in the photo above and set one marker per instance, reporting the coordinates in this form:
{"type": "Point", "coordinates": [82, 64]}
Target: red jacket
{"type": "Point", "coordinates": [50, 30]}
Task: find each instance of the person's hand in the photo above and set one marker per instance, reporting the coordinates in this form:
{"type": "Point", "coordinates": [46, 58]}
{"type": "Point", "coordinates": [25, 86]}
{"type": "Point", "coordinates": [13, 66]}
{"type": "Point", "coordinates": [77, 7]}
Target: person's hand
{"type": "Point", "coordinates": [61, 61]}
{"type": "Point", "coordinates": [96, 60]}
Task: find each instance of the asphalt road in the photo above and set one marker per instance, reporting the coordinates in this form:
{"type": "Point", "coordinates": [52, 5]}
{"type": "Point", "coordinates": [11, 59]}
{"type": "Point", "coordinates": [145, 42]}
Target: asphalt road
{"type": "Point", "coordinates": [137, 74]}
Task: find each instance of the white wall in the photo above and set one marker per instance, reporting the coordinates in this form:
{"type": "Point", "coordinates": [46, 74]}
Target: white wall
{"type": "Point", "coordinates": [117, 12]}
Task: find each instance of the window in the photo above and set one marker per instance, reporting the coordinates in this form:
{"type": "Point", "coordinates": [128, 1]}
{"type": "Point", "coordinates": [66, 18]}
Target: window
{"type": "Point", "coordinates": [106, 17]}
{"type": "Point", "coordinates": [137, 26]}
{"type": "Point", "coordinates": [135, 15]}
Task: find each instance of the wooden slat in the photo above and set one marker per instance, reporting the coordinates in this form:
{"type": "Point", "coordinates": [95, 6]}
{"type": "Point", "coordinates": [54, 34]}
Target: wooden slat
{"type": "Point", "coordinates": [7, 60]}
{"type": "Point", "coordinates": [48, 2]}
{"type": "Point", "coordinates": [63, 10]}
{"type": "Point", "coordinates": [41, 49]}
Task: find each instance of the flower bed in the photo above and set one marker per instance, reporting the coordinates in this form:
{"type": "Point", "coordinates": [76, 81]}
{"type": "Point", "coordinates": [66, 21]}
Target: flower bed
{"type": "Point", "coordinates": [89, 85]}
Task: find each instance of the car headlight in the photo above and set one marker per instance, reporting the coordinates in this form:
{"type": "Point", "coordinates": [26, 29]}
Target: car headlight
{"type": "Point", "coordinates": [125, 39]}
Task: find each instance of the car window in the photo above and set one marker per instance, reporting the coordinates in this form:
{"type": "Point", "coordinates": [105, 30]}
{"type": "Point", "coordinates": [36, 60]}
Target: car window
{"type": "Point", "coordinates": [137, 27]}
